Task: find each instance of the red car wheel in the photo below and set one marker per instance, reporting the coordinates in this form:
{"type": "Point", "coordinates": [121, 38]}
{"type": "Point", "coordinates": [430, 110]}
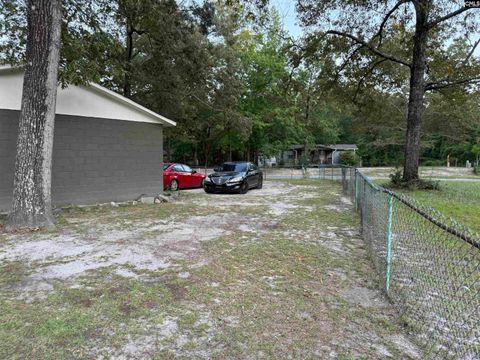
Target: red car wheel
{"type": "Point", "coordinates": [173, 185]}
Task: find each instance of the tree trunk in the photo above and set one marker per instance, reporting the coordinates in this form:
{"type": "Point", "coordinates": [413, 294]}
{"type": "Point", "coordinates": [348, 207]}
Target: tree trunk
{"type": "Point", "coordinates": [127, 85]}
{"type": "Point", "coordinates": [417, 92]}
{"type": "Point", "coordinates": [195, 155]}
{"type": "Point", "coordinates": [32, 205]}
{"type": "Point", "coordinates": [206, 150]}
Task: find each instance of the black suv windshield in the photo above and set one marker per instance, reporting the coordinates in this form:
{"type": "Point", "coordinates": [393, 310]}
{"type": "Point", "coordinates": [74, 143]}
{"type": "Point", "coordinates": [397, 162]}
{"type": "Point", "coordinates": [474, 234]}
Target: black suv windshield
{"type": "Point", "coordinates": [234, 167]}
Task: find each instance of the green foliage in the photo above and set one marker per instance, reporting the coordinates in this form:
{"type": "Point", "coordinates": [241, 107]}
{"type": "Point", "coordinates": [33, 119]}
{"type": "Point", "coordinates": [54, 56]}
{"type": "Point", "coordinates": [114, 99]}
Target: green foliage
{"type": "Point", "coordinates": [379, 84]}
{"type": "Point", "coordinates": [238, 86]}
{"type": "Point", "coordinates": [432, 162]}
{"type": "Point", "coordinates": [304, 160]}
{"type": "Point", "coordinates": [396, 177]}
{"type": "Point", "coordinates": [397, 182]}
{"type": "Point", "coordinates": [476, 170]}
{"type": "Point", "coordinates": [349, 158]}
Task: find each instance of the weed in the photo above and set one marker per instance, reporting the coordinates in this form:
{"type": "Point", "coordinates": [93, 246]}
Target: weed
{"type": "Point", "coordinates": [397, 182]}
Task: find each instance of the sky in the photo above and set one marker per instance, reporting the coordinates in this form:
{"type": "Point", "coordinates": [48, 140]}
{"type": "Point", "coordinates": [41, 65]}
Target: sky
{"type": "Point", "coordinates": [286, 9]}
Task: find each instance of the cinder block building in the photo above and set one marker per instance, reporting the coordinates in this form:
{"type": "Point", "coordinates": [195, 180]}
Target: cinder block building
{"type": "Point", "coordinates": [106, 147]}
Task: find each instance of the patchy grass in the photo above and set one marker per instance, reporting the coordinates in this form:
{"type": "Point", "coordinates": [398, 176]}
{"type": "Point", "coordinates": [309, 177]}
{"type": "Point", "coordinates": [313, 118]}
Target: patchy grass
{"type": "Point", "coordinates": [12, 272]}
{"type": "Point", "coordinates": [433, 172]}
{"type": "Point", "coordinates": [71, 322]}
{"type": "Point", "coordinates": [287, 277]}
{"type": "Point", "coordinates": [123, 215]}
{"type": "Point", "coordinates": [459, 200]}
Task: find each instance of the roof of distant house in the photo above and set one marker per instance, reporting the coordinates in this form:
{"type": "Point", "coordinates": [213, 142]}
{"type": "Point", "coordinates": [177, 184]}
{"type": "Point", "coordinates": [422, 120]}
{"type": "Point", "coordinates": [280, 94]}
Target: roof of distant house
{"type": "Point", "coordinates": [344, 147]}
{"type": "Point", "coordinates": [327, 147]}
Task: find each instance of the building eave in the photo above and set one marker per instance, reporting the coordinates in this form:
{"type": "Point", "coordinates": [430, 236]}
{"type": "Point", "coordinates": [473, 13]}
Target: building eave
{"type": "Point", "coordinates": [144, 114]}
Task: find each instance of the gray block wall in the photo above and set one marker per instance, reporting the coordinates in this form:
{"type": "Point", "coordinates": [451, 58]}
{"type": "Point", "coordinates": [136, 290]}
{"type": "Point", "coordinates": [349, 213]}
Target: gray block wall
{"type": "Point", "coordinates": [94, 160]}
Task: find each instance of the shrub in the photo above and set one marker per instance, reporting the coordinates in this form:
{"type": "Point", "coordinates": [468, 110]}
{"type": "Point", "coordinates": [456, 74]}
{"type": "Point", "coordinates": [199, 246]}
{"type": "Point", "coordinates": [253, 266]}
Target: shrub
{"type": "Point", "coordinates": [349, 158]}
{"type": "Point", "coordinates": [397, 182]}
{"type": "Point", "coordinates": [433, 163]}
{"type": "Point", "coordinates": [476, 170]}
{"type": "Point", "coordinates": [304, 160]}
{"type": "Point", "coordinates": [396, 178]}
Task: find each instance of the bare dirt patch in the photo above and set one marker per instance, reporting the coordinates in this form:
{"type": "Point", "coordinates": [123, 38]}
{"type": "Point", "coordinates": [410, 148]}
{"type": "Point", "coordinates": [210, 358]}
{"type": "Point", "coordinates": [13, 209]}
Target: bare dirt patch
{"type": "Point", "coordinates": [150, 246]}
{"type": "Point", "coordinates": [362, 296]}
{"type": "Point", "coordinates": [277, 273]}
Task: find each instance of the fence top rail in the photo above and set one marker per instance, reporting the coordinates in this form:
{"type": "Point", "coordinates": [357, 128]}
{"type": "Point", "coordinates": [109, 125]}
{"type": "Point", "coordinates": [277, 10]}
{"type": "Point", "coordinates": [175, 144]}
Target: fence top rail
{"type": "Point", "coordinates": [309, 166]}
{"type": "Point", "coordinates": [429, 214]}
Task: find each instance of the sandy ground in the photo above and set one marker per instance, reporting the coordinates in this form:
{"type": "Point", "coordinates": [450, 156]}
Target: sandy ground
{"type": "Point", "coordinates": [158, 242]}
{"type": "Point", "coordinates": [344, 309]}
{"type": "Point", "coordinates": [437, 172]}
{"type": "Point", "coordinates": [375, 173]}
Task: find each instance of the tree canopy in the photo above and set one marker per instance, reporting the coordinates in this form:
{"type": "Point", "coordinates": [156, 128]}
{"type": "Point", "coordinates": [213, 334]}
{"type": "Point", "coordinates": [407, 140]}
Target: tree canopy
{"type": "Point", "coordinates": [239, 86]}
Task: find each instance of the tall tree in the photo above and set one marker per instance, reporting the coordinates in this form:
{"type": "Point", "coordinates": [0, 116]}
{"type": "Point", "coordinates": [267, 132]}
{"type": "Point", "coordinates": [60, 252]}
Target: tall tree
{"type": "Point", "coordinates": [368, 34]}
{"type": "Point", "coordinates": [32, 205]}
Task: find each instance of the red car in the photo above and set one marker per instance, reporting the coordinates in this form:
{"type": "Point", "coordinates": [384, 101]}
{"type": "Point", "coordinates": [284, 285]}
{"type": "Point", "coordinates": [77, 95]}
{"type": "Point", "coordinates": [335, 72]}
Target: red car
{"type": "Point", "coordinates": [180, 176]}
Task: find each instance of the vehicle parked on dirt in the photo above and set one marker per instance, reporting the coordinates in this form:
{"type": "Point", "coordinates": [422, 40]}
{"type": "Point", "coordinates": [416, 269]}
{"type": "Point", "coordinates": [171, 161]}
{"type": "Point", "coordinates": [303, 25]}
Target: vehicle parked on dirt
{"type": "Point", "coordinates": [180, 176]}
{"type": "Point", "coordinates": [234, 177]}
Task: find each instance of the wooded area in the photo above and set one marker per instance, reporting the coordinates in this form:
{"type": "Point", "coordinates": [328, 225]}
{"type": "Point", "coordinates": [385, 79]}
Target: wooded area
{"type": "Point", "coordinates": [398, 78]}
{"type": "Point", "coordinates": [239, 85]}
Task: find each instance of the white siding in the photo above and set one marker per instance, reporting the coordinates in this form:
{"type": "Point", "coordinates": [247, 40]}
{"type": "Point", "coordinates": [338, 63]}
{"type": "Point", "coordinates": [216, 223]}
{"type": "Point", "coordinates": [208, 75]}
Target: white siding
{"type": "Point", "coordinates": [92, 101]}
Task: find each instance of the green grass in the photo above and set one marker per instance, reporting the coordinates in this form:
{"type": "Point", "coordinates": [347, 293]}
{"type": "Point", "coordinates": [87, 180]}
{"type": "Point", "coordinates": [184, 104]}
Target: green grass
{"type": "Point", "coordinates": [473, 177]}
{"type": "Point", "coordinates": [459, 200]}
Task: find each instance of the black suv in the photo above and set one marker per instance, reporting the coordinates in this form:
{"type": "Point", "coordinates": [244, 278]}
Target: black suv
{"type": "Point", "coordinates": [234, 177]}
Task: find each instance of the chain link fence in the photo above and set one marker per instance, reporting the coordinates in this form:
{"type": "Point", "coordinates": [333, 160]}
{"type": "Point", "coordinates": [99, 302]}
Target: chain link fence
{"type": "Point", "coordinates": [322, 172]}
{"type": "Point", "coordinates": [429, 267]}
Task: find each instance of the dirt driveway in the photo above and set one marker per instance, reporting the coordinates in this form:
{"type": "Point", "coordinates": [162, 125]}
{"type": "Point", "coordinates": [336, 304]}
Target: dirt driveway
{"type": "Point", "coordinates": [277, 273]}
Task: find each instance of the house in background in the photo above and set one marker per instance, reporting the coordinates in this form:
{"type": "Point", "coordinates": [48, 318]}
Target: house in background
{"type": "Point", "coordinates": [316, 154]}
{"type": "Point", "coordinates": [106, 147]}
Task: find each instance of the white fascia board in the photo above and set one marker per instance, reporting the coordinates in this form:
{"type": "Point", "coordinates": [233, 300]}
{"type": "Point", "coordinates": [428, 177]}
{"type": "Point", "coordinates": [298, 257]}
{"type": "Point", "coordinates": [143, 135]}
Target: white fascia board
{"type": "Point", "coordinates": [117, 97]}
{"type": "Point", "coordinates": [84, 101]}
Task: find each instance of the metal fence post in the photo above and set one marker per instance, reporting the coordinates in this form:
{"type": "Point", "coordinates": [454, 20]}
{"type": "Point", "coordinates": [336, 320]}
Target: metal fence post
{"type": "Point", "coordinates": [389, 242]}
{"type": "Point", "coordinates": [363, 204]}
{"type": "Point", "coordinates": [356, 189]}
